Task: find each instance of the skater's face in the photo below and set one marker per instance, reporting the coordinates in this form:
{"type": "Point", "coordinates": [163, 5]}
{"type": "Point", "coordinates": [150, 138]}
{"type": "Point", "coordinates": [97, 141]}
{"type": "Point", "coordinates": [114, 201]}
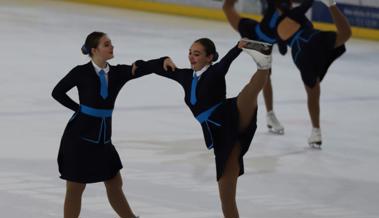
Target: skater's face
{"type": "Point", "coordinates": [104, 50]}
{"type": "Point", "coordinates": [197, 57]}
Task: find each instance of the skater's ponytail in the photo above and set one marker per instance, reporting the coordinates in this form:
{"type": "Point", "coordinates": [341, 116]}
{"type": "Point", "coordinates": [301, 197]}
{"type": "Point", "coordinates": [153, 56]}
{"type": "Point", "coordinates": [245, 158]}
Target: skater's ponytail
{"type": "Point", "coordinates": [209, 47]}
{"type": "Point", "coordinates": [92, 41]}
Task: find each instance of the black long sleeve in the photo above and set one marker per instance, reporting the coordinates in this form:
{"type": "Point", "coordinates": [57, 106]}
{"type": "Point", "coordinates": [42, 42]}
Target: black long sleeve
{"type": "Point", "coordinates": [156, 66]}
{"type": "Point", "coordinates": [143, 67]}
{"type": "Point", "coordinates": [59, 92]}
{"type": "Point", "coordinates": [304, 7]}
{"type": "Point", "coordinates": [223, 65]}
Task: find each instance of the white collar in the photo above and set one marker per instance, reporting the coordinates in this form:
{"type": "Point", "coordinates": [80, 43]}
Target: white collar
{"type": "Point", "coordinates": [97, 68]}
{"type": "Point", "coordinates": [200, 72]}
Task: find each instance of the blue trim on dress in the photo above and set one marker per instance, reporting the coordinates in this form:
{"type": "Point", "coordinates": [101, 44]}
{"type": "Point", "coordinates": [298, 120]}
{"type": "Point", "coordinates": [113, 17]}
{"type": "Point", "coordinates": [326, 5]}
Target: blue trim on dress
{"type": "Point", "coordinates": [94, 112]}
{"type": "Point", "coordinates": [262, 36]}
{"type": "Point", "coordinates": [203, 117]}
{"type": "Point", "coordinates": [297, 39]}
{"type": "Point", "coordinates": [99, 113]}
{"type": "Point", "coordinates": [274, 20]}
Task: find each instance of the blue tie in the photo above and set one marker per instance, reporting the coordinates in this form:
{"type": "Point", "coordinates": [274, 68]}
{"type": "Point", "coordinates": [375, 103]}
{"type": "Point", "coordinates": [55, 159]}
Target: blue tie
{"type": "Point", "coordinates": [193, 89]}
{"type": "Point", "coordinates": [103, 85]}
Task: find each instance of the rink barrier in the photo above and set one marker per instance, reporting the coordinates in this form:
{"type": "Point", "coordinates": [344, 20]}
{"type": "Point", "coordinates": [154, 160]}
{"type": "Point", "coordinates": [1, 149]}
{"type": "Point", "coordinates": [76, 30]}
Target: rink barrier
{"type": "Point", "coordinates": [208, 13]}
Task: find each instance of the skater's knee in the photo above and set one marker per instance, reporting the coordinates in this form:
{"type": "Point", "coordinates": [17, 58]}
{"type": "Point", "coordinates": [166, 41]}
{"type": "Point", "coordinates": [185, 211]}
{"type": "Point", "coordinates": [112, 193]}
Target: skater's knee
{"type": "Point", "coordinates": [254, 90]}
{"type": "Point", "coordinates": [114, 184]}
{"type": "Point", "coordinates": [313, 92]}
{"type": "Point", "coordinates": [74, 188]}
{"type": "Point", "coordinates": [343, 36]}
{"type": "Point", "coordinates": [347, 34]}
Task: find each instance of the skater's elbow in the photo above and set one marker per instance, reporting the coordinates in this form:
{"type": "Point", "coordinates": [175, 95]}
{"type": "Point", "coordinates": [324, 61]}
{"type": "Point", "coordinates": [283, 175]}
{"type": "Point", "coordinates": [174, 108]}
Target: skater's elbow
{"type": "Point", "coordinates": [55, 94]}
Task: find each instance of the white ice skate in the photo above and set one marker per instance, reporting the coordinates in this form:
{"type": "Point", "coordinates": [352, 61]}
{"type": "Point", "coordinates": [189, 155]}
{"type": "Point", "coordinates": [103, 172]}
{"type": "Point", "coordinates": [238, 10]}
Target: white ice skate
{"type": "Point", "coordinates": [273, 124]}
{"type": "Point", "coordinates": [260, 52]}
{"type": "Point", "coordinates": [315, 140]}
{"type": "Point", "coordinates": [328, 3]}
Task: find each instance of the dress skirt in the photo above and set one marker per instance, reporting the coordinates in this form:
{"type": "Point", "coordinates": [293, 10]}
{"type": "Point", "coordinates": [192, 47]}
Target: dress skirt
{"type": "Point", "coordinates": [313, 52]}
{"type": "Point", "coordinates": [82, 161]}
{"type": "Point", "coordinates": [227, 134]}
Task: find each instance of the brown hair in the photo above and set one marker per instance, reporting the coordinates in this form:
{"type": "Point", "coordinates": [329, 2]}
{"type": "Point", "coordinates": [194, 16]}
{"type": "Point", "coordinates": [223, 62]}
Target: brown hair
{"type": "Point", "coordinates": [209, 46]}
{"type": "Point", "coordinates": [92, 41]}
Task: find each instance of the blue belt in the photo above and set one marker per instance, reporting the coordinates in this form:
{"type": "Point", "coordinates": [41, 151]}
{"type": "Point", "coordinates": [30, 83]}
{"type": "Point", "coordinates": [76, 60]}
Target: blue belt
{"type": "Point", "coordinates": [203, 117]}
{"type": "Point", "coordinates": [100, 113]}
{"type": "Point", "coordinates": [262, 36]}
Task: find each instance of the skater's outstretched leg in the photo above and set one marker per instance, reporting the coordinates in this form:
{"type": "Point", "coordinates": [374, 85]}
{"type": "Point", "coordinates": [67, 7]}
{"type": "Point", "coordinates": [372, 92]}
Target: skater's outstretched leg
{"type": "Point", "coordinates": [231, 14]}
{"type": "Point", "coordinates": [343, 27]}
{"type": "Point", "coordinates": [247, 98]}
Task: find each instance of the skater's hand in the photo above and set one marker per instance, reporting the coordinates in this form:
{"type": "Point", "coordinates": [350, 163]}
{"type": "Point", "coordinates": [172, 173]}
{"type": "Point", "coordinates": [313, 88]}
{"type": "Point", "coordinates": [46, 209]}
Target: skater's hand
{"type": "Point", "coordinates": [242, 44]}
{"type": "Point", "coordinates": [168, 65]}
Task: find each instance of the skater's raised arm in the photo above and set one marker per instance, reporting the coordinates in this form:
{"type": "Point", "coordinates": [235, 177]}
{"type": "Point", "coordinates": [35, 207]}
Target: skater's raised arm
{"type": "Point", "coordinates": [224, 64]}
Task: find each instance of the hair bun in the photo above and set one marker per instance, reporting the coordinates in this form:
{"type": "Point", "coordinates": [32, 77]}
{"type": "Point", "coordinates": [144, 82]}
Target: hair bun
{"type": "Point", "coordinates": [215, 56]}
{"type": "Point", "coordinates": [85, 50]}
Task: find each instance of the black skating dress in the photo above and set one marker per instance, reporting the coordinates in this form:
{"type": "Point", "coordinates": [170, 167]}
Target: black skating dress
{"type": "Point", "coordinates": [313, 51]}
{"type": "Point", "coordinates": [86, 153]}
{"type": "Point", "coordinates": [218, 116]}
{"type": "Point", "coordinates": [264, 30]}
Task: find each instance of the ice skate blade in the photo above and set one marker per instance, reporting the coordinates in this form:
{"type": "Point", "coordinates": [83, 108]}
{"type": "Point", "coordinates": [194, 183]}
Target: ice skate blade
{"type": "Point", "coordinates": [275, 131]}
{"type": "Point", "coordinates": [315, 145]}
{"type": "Point", "coordinates": [261, 47]}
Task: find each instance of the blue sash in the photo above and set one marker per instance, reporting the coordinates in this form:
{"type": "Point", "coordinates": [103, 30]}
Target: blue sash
{"type": "Point", "coordinates": [99, 113]}
{"type": "Point", "coordinates": [203, 117]}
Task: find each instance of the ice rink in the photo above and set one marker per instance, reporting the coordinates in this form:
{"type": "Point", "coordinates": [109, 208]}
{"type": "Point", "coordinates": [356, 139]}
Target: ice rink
{"type": "Point", "coordinates": [168, 172]}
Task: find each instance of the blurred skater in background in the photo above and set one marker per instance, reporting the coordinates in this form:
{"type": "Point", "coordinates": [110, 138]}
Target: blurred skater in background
{"type": "Point", "coordinates": [261, 31]}
{"type": "Point", "coordinates": [313, 51]}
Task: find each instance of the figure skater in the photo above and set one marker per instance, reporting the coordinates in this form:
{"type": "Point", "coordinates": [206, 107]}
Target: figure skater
{"type": "Point", "coordinates": [262, 31]}
{"type": "Point", "coordinates": [86, 153]}
{"type": "Point", "coordinates": [313, 51]}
